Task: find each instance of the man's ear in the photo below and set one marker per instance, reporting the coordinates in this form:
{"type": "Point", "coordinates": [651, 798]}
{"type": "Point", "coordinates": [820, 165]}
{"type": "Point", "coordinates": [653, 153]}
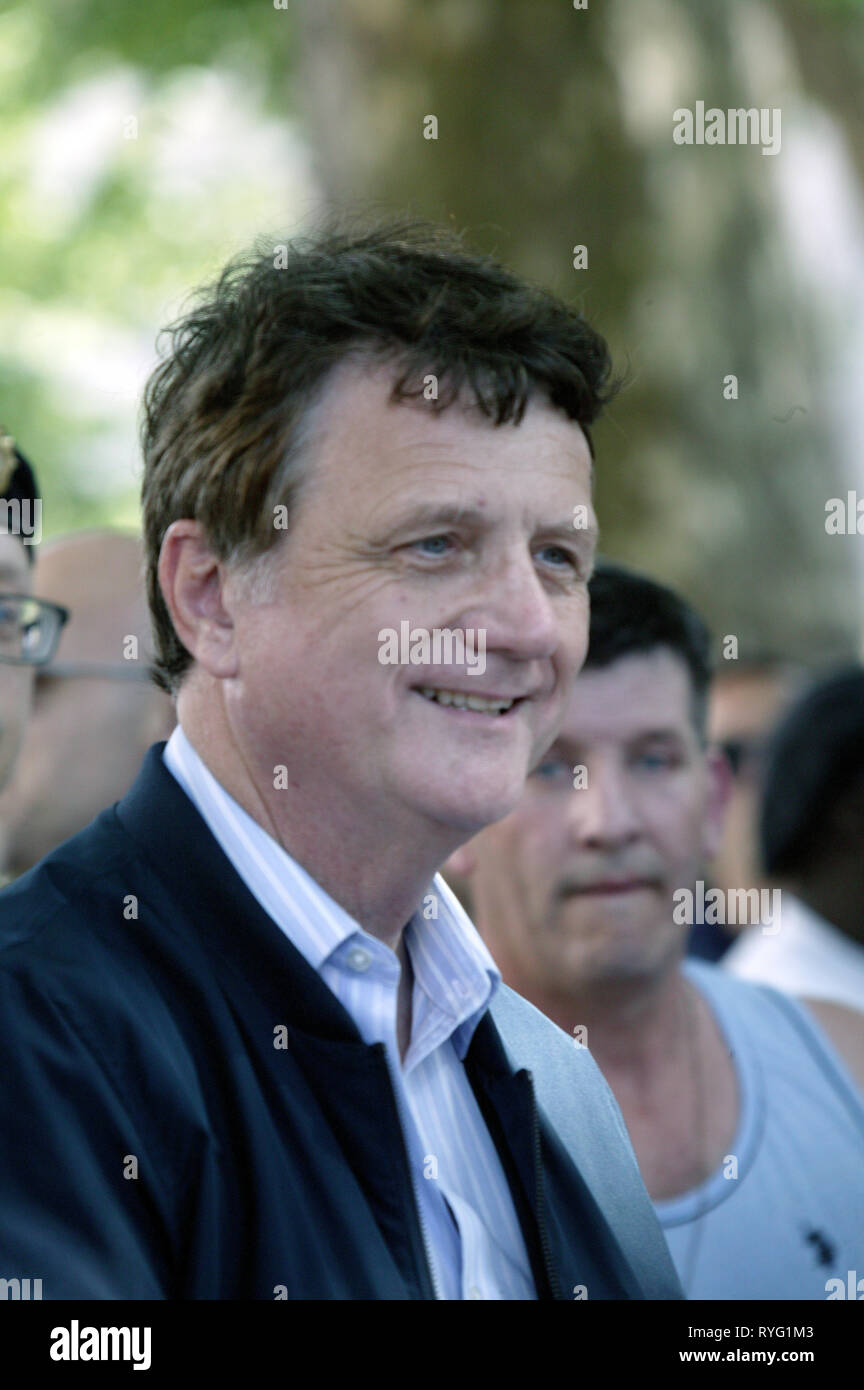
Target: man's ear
{"type": "Point", "coordinates": [192, 580]}
{"type": "Point", "coordinates": [720, 780]}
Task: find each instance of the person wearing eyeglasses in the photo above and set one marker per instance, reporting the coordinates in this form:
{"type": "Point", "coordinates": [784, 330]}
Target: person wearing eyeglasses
{"type": "Point", "coordinates": [96, 710]}
{"type": "Point", "coordinates": [29, 627]}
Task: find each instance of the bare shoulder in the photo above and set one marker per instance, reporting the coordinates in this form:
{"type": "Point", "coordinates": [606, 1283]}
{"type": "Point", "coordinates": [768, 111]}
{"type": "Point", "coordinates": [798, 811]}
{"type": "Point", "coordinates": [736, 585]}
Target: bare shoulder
{"type": "Point", "coordinates": [845, 1028]}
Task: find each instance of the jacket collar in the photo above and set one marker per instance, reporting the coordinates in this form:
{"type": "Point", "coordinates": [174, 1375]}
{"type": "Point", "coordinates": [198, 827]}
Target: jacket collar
{"type": "Point", "coordinates": [229, 920]}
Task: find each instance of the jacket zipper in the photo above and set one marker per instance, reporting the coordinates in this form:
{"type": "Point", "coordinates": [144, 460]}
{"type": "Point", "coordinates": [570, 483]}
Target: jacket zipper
{"type": "Point", "coordinates": [541, 1214]}
{"type": "Point", "coordinates": [417, 1206]}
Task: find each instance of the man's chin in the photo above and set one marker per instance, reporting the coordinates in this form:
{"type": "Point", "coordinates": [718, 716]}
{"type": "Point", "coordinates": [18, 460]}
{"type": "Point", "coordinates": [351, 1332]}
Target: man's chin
{"type": "Point", "coordinates": [617, 953]}
{"type": "Point", "coordinates": [473, 809]}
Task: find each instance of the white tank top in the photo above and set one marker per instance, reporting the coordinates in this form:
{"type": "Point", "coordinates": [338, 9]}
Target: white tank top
{"type": "Point", "coordinates": [793, 1217]}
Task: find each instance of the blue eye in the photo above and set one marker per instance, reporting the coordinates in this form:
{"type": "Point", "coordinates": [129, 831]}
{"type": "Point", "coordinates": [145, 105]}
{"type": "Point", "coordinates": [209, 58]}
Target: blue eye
{"type": "Point", "coordinates": [434, 541]}
{"type": "Point", "coordinates": [551, 770]}
{"type": "Point", "coordinates": [655, 762]}
{"type": "Point", "coordinates": [557, 550]}
{"type": "Point", "coordinates": [564, 557]}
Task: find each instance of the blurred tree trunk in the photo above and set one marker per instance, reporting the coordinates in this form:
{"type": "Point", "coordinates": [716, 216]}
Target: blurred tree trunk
{"type": "Point", "coordinates": [555, 129]}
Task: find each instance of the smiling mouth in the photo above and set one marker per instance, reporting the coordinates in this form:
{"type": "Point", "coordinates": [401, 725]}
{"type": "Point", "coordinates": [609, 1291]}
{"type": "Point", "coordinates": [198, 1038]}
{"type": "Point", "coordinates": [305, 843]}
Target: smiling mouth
{"type": "Point", "coordinates": [475, 704]}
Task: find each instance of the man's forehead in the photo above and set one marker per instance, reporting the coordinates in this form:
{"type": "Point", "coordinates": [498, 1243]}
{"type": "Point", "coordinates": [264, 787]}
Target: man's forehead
{"type": "Point", "coordinates": [413, 433]}
{"type": "Point", "coordinates": [640, 693]}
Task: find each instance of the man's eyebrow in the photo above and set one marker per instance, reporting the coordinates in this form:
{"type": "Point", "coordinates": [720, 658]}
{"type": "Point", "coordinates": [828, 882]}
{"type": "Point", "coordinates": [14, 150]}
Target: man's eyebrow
{"type": "Point", "coordinates": [667, 732]}
{"type": "Point", "coordinates": [454, 514]}
{"type": "Point", "coordinates": [566, 744]}
{"type": "Point", "coordinates": [567, 531]}
{"type": "Point", "coordinates": [438, 513]}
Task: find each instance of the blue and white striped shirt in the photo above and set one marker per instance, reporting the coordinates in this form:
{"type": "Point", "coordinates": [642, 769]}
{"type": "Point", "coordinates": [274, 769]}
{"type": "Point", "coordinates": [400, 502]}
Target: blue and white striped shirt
{"type": "Point", "coordinates": [472, 1234]}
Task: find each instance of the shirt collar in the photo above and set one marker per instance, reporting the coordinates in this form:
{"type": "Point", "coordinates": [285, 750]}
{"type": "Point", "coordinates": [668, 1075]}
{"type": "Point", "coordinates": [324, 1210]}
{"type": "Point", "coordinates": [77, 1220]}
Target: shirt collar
{"type": "Point", "coordinates": [315, 923]}
{"type": "Point", "coordinates": [451, 962]}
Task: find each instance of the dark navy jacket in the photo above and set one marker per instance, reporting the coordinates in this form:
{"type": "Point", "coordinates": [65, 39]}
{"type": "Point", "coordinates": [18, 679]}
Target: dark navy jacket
{"type": "Point", "coordinates": [154, 1143]}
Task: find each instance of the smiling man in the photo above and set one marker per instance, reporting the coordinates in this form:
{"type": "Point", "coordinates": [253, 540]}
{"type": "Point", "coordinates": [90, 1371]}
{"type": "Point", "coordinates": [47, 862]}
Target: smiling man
{"type": "Point", "coordinates": [257, 1049]}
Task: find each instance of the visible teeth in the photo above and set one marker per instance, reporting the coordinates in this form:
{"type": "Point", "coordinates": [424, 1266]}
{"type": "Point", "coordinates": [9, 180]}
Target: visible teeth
{"type": "Point", "coordinates": [461, 701]}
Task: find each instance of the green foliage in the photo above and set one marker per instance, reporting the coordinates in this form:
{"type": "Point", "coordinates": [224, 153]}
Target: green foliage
{"type": "Point", "coordinates": [138, 149]}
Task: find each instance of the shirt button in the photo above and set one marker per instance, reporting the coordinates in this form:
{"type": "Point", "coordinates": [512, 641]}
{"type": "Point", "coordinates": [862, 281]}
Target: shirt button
{"type": "Point", "coordinates": [358, 959]}
{"type": "Point", "coordinates": [474, 1292]}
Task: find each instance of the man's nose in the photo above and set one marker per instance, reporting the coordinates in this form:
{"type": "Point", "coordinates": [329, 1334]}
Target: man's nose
{"type": "Point", "coordinates": [521, 618]}
{"type": "Point", "coordinates": [601, 814]}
